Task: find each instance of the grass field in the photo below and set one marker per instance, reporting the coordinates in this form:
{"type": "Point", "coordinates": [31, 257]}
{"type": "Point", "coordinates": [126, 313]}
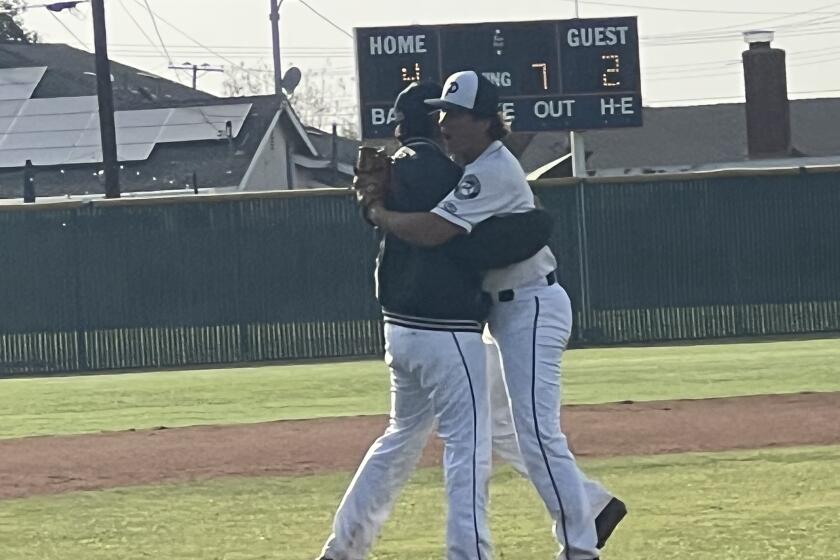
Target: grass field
{"type": "Point", "coordinates": [726, 506]}
{"type": "Point", "coordinates": [59, 405]}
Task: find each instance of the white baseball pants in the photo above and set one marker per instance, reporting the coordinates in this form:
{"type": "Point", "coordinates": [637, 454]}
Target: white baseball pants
{"type": "Point", "coordinates": [435, 376]}
{"type": "Point", "coordinates": [504, 435]}
{"type": "Point", "coordinates": [532, 331]}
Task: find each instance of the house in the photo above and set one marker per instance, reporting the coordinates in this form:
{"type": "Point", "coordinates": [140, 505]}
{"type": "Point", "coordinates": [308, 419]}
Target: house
{"type": "Point", "coordinates": [338, 157]}
{"type": "Point", "coordinates": [686, 139]}
{"type": "Point", "coordinates": [170, 137]}
{"type": "Point", "coordinates": [704, 137]}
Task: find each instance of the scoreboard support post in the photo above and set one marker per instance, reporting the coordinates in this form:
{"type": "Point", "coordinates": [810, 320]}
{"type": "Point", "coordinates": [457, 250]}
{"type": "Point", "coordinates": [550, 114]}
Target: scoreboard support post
{"type": "Point", "coordinates": [578, 149]}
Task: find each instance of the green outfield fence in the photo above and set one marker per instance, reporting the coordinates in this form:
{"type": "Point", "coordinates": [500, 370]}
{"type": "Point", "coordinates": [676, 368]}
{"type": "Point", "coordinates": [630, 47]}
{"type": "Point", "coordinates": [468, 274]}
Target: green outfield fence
{"type": "Point", "coordinates": [184, 281]}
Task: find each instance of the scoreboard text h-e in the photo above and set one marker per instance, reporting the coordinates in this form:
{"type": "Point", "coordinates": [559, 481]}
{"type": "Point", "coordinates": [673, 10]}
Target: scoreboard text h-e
{"type": "Point", "coordinates": [552, 75]}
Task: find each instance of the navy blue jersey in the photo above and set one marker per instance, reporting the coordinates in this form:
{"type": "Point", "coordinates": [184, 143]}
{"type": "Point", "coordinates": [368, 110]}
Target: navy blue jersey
{"type": "Point", "coordinates": [417, 281]}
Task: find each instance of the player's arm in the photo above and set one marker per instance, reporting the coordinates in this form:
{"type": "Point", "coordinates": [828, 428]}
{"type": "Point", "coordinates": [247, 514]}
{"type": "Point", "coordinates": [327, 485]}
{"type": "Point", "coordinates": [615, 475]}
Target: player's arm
{"type": "Point", "coordinates": [468, 204]}
{"type": "Point", "coordinates": [423, 229]}
{"type": "Point", "coordinates": [503, 240]}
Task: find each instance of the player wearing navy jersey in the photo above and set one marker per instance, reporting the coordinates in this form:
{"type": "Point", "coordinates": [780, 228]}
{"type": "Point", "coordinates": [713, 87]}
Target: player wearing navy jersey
{"type": "Point", "coordinates": [531, 316]}
{"type": "Point", "coordinates": [433, 309]}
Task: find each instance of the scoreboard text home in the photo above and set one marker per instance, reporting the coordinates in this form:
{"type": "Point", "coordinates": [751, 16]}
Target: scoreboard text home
{"type": "Point", "coordinates": [552, 75]}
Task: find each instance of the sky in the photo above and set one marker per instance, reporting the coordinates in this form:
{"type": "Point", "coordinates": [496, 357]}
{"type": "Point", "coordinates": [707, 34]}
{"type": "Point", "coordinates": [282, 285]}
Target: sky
{"type": "Point", "coordinates": [690, 49]}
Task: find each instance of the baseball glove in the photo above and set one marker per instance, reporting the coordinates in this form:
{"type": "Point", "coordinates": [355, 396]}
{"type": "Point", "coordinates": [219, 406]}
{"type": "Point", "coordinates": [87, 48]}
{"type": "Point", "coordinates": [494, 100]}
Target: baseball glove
{"type": "Point", "coordinates": [373, 175]}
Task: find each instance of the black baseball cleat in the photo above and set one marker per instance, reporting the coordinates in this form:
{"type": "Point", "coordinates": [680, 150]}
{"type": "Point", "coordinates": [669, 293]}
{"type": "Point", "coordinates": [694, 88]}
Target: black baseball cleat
{"type": "Point", "coordinates": [608, 520]}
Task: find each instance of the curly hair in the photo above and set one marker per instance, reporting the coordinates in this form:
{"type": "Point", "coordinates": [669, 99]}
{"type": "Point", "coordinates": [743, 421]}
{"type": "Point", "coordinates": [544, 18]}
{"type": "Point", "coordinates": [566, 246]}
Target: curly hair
{"type": "Point", "coordinates": [498, 129]}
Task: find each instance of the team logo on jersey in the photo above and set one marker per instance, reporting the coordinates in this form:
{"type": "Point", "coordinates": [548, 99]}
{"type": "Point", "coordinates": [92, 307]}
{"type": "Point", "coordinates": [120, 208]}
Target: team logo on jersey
{"type": "Point", "coordinates": [451, 208]}
{"type": "Point", "coordinates": [468, 188]}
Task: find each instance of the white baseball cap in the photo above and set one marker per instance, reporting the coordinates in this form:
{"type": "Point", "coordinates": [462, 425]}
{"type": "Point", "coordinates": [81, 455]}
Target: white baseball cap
{"type": "Point", "coordinates": [468, 90]}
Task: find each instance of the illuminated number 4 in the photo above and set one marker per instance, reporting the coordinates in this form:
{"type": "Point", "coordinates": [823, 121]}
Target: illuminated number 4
{"type": "Point", "coordinates": [406, 77]}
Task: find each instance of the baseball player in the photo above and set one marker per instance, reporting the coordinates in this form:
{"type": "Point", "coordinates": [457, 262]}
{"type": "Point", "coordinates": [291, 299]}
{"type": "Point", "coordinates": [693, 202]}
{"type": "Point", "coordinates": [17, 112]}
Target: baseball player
{"type": "Point", "coordinates": [433, 310]}
{"type": "Point", "coordinates": [531, 316]}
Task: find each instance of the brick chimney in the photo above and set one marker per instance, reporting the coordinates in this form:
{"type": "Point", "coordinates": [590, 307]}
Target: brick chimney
{"type": "Point", "coordinates": [768, 110]}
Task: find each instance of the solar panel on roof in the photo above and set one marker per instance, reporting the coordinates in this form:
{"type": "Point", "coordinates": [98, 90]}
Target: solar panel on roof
{"type": "Point", "coordinates": [11, 107]}
{"type": "Point", "coordinates": [19, 83]}
{"type": "Point", "coordinates": [55, 131]}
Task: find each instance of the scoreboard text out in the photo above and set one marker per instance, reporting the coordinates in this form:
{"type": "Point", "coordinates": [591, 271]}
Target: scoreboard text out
{"type": "Point", "coordinates": [552, 75]}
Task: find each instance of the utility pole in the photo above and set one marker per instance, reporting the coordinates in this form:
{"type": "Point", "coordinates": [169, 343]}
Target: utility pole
{"type": "Point", "coordinates": [275, 41]}
{"type": "Point", "coordinates": [105, 95]}
{"type": "Point", "coordinates": [577, 146]}
{"type": "Point", "coordinates": [195, 68]}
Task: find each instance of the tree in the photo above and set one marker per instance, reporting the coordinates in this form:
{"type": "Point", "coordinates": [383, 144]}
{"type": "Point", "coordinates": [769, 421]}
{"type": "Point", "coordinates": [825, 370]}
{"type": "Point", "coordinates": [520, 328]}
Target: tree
{"type": "Point", "coordinates": [11, 25]}
{"type": "Point", "coordinates": [320, 99]}
{"type": "Point", "coordinates": [241, 81]}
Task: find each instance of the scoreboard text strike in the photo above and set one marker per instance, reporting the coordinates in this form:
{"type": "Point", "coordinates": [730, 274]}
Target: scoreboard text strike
{"type": "Point", "coordinates": [552, 75]}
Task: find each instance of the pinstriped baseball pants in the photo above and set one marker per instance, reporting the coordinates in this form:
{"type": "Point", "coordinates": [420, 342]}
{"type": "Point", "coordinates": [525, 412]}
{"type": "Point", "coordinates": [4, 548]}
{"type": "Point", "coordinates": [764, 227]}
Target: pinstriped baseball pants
{"type": "Point", "coordinates": [532, 332]}
{"type": "Point", "coordinates": [436, 377]}
{"type": "Point", "coordinates": [505, 446]}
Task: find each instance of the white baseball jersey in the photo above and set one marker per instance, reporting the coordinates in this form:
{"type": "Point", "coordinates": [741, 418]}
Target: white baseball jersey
{"type": "Point", "coordinates": [531, 327]}
{"type": "Point", "coordinates": [495, 185]}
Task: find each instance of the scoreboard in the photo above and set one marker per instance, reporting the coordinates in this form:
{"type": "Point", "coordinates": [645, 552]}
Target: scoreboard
{"type": "Point", "coordinates": [552, 75]}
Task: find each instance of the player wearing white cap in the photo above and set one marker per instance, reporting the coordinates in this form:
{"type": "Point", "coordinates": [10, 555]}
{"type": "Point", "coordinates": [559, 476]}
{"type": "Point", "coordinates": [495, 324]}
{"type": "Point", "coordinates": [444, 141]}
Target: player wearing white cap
{"type": "Point", "coordinates": [531, 317]}
{"type": "Point", "coordinates": [433, 308]}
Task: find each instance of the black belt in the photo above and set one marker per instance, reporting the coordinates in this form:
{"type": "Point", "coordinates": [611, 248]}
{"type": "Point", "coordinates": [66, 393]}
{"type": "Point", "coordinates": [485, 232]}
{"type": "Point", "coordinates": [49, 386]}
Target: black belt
{"type": "Point", "coordinates": [507, 295]}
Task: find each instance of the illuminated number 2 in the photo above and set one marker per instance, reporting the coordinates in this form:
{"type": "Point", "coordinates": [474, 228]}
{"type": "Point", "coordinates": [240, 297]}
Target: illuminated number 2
{"type": "Point", "coordinates": [606, 79]}
{"type": "Point", "coordinates": [409, 78]}
{"type": "Point", "coordinates": [543, 68]}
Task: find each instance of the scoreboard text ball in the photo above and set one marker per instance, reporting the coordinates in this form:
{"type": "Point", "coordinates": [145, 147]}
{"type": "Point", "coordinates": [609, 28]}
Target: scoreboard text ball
{"type": "Point", "coordinates": [552, 75]}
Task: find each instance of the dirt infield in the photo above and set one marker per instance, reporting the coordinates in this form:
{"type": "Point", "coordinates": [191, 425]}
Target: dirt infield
{"type": "Point", "coordinates": [51, 465]}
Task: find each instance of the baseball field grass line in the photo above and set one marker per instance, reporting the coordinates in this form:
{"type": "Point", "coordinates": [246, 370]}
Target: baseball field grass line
{"type": "Point", "coordinates": [62, 405]}
{"type": "Point", "coordinates": [723, 506]}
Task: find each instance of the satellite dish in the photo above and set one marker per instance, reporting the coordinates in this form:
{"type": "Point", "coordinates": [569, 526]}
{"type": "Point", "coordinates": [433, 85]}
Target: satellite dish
{"type": "Point", "coordinates": [291, 79]}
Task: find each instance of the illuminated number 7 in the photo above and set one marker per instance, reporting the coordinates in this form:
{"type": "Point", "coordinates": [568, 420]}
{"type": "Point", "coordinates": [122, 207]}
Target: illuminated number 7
{"type": "Point", "coordinates": [605, 77]}
{"type": "Point", "coordinates": [415, 77]}
{"type": "Point", "coordinates": [543, 67]}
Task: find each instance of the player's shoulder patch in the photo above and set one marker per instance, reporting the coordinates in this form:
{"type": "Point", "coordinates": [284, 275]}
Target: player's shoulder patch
{"type": "Point", "coordinates": [405, 152]}
{"type": "Point", "coordinates": [468, 187]}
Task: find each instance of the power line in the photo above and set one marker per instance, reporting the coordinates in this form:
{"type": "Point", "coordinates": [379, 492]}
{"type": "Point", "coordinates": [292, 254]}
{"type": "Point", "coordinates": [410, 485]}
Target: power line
{"type": "Point", "coordinates": [243, 50]}
{"type": "Point", "coordinates": [325, 18]}
{"type": "Point", "coordinates": [154, 23]}
{"type": "Point", "coordinates": [189, 37]}
{"type": "Point", "coordinates": [789, 30]}
{"type": "Point", "coordinates": [55, 6]}
{"type": "Point", "coordinates": [140, 28]}
{"type": "Point", "coordinates": [696, 32]}
{"type": "Point", "coordinates": [194, 68]}
{"type": "Point", "coordinates": [248, 47]}
{"type": "Point", "coordinates": [735, 97]}
{"type": "Point", "coordinates": [733, 36]}
{"type": "Point", "coordinates": [695, 75]}
{"type": "Point", "coordinates": [691, 67]}
{"type": "Point", "coordinates": [58, 19]}
{"type": "Point", "coordinates": [680, 10]}
{"type": "Point", "coordinates": [162, 53]}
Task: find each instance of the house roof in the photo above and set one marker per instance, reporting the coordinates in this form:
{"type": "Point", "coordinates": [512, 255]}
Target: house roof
{"type": "Point", "coordinates": [172, 165]}
{"type": "Point", "coordinates": [347, 148]}
{"type": "Point", "coordinates": [690, 137]}
{"type": "Point", "coordinates": [66, 76]}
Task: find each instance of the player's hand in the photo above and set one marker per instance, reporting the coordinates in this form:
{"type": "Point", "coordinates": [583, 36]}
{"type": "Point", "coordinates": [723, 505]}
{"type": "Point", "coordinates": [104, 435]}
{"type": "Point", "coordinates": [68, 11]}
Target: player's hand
{"type": "Point", "coordinates": [369, 189]}
{"type": "Point", "coordinates": [372, 176]}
